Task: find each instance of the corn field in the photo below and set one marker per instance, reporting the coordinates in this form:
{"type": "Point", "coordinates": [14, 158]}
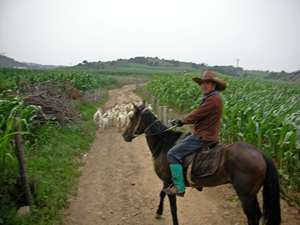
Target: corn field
{"type": "Point", "coordinates": [265, 114]}
{"type": "Point", "coordinates": [84, 80]}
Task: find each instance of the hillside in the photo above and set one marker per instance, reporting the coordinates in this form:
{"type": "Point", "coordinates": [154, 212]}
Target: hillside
{"type": "Point", "coordinates": [11, 63]}
{"type": "Point", "coordinates": [140, 64]}
{"type": "Point", "coordinates": [154, 66]}
{"type": "Point", "coordinates": [7, 62]}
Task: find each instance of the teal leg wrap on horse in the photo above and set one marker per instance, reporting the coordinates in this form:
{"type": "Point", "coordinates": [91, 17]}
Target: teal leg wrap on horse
{"type": "Point", "coordinates": [177, 174]}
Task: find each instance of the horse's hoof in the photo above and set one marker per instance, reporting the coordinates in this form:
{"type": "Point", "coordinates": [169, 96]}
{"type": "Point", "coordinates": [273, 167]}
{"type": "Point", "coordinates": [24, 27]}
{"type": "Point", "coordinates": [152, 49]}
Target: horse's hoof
{"type": "Point", "coordinates": [157, 216]}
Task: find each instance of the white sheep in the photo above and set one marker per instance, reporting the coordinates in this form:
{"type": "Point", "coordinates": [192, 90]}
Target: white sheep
{"type": "Point", "coordinates": [118, 115]}
{"type": "Point", "coordinates": [129, 107]}
{"type": "Point", "coordinates": [121, 121]}
{"type": "Point", "coordinates": [138, 103]}
{"type": "Point", "coordinates": [130, 114]}
{"type": "Point", "coordinates": [103, 124]}
{"type": "Point", "coordinates": [97, 115]}
{"type": "Point", "coordinates": [110, 118]}
{"type": "Point", "coordinates": [150, 107]}
{"type": "Point", "coordinates": [105, 115]}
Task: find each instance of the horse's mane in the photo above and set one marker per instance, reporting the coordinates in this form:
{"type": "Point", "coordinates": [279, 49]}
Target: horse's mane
{"type": "Point", "coordinates": [161, 142]}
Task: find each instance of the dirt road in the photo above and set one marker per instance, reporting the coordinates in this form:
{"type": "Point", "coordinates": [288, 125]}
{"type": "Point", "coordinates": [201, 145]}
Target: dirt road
{"type": "Point", "coordinates": [119, 186]}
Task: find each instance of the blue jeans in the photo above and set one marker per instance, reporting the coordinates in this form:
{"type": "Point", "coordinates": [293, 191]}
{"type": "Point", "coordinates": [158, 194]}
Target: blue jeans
{"type": "Point", "coordinates": [189, 145]}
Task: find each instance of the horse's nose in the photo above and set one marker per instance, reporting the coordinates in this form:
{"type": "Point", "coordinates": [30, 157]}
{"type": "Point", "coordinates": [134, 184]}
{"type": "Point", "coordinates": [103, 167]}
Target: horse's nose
{"type": "Point", "coordinates": [127, 137]}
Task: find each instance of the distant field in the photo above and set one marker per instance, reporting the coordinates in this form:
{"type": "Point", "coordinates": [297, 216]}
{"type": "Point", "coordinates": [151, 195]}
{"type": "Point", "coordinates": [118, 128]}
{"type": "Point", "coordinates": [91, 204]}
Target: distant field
{"type": "Point", "coordinates": [252, 73]}
{"type": "Point", "coordinates": [141, 66]}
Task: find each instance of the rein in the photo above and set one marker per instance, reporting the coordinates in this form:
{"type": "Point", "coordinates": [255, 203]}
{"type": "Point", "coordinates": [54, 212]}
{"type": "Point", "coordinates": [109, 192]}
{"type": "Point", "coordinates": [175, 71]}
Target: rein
{"type": "Point", "coordinates": [137, 125]}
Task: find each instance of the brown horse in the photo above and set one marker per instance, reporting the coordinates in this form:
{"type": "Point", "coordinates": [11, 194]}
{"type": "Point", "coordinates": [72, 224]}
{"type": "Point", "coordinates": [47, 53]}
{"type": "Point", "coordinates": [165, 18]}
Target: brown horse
{"type": "Point", "coordinates": [244, 166]}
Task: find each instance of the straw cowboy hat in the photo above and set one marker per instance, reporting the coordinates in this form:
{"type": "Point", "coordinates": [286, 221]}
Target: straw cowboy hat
{"type": "Point", "coordinates": [211, 76]}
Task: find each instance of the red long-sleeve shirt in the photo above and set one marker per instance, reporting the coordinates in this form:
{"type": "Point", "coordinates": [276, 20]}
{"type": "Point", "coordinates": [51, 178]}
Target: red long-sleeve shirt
{"type": "Point", "coordinates": [207, 118]}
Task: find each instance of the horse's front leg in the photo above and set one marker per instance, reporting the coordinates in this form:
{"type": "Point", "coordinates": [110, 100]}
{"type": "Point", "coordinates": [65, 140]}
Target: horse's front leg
{"type": "Point", "coordinates": [159, 211]}
{"type": "Point", "coordinates": [172, 199]}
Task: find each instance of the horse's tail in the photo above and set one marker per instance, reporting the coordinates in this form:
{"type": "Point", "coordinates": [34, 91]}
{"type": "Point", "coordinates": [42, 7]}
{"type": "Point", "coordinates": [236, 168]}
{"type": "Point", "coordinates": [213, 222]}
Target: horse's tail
{"type": "Point", "coordinates": [271, 205]}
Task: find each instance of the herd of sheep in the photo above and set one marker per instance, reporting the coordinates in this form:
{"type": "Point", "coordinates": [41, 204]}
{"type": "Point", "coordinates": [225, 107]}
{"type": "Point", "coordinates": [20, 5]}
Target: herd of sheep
{"type": "Point", "coordinates": [117, 116]}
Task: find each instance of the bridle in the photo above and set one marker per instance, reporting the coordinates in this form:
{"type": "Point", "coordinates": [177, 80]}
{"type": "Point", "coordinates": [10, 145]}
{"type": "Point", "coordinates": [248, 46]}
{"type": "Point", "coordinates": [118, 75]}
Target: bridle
{"type": "Point", "coordinates": [134, 133]}
{"type": "Point", "coordinates": [138, 124]}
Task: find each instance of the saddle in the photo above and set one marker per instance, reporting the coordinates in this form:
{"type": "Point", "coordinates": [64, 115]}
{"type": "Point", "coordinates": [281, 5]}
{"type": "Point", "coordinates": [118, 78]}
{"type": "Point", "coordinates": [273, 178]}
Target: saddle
{"type": "Point", "coordinates": [203, 162]}
{"type": "Point", "coordinates": [189, 158]}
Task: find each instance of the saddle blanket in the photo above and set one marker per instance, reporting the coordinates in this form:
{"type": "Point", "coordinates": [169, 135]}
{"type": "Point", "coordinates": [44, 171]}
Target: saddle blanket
{"type": "Point", "coordinates": [207, 162]}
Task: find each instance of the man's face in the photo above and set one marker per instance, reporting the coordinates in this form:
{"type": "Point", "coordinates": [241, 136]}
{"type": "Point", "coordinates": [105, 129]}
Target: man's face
{"type": "Point", "coordinates": [208, 87]}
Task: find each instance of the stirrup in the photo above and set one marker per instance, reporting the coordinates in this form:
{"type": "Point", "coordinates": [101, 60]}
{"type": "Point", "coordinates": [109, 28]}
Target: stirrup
{"type": "Point", "coordinates": [169, 192]}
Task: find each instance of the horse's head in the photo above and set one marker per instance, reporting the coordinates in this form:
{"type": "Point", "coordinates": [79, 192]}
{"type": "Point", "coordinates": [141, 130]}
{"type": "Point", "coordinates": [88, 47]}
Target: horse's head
{"type": "Point", "coordinates": [137, 123]}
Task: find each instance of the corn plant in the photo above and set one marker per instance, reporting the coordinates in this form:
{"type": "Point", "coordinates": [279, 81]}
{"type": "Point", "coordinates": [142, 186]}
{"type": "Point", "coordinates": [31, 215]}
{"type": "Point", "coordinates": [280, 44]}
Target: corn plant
{"type": "Point", "coordinates": [12, 112]}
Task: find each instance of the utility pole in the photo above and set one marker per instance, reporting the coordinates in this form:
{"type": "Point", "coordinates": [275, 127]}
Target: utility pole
{"type": "Point", "coordinates": [237, 62]}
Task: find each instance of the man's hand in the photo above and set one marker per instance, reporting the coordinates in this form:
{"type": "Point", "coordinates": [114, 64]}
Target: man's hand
{"type": "Point", "coordinates": [177, 122]}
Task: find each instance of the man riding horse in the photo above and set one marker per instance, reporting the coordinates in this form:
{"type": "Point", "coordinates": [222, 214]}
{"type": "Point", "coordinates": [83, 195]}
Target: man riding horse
{"type": "Point", "coordinates": [206, 119]}
{"type": "Point", "coordinates": [246, 167]}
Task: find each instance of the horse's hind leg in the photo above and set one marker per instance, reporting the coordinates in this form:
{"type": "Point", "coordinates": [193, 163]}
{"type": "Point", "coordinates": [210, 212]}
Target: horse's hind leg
{"type": "Point", "coordinates": [159, 211]}
{"type": "Point", "coordinates": [247, 181]}
{"type": "Point", "coordinates": [247, 192]}
{"type": "Point", "coordinates": [251, 209]}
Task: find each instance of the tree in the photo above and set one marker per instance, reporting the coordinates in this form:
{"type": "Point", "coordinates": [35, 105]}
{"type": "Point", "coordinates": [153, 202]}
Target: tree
{"type": "Point", "coordinates": [272, 76]}
{"type": "Point", "coordinates": [282, 73]}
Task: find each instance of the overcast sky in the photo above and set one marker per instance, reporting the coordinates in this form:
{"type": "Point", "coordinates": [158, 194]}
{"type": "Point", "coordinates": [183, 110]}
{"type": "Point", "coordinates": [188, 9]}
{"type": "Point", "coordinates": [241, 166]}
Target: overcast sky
{"type": "Point", "coordinates": [262, 34]}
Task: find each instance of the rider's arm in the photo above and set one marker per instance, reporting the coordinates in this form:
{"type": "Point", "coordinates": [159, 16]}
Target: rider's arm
{"type": "Point", "coordinates": [211, 106]}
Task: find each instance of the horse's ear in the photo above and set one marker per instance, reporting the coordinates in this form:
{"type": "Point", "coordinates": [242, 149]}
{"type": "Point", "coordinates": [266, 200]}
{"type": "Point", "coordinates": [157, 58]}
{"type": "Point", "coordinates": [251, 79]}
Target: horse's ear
{"type": "Point", "coordinates": [135, 107]}
{"type": "Point", "coordinates": [144, 103]}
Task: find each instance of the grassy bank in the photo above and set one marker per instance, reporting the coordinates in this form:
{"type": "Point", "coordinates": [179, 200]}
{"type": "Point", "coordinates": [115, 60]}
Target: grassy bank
{"type": "Point", "coordinates": [53, 155]}
{"type": "Point", "coordinates": [52, 169]}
